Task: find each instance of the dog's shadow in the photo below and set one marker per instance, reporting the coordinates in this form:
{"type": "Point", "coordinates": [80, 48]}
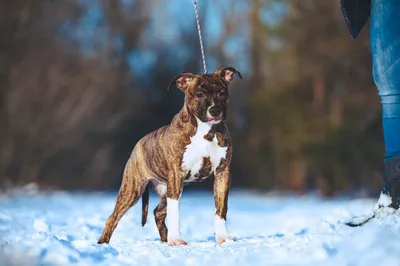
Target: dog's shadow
{"type": "Point", "coordinates": [247, 238]}
{"type": "Point", "coordinates": [240, 239]}
{"type": "Point", "coordinates": [302, 232]}
{"type": "Point", "coordinates": [235, 239]}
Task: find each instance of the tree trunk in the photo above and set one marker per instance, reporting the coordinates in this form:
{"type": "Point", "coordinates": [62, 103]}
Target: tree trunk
{"type": "Point", "coordinates": [324, 186]}
{"type": "Point", "coordinates": [256, 31]}
{"type": "Point", "coordinates": [297, 176]}
{"type": "Point", "coordinates": [336, 108]}
{"type": "Point", "coordinates": [319, 89]}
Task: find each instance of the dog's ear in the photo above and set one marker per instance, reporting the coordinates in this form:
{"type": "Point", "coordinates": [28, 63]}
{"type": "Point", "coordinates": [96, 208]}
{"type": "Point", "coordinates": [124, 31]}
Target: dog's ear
{"type": "Point", "coordinates": [227, 73]}
{"type": "Point", "coordinates": [181, 81]}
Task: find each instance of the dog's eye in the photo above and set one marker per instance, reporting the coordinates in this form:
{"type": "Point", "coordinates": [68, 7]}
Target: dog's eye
{"type": "Point", "coordinates": [199, 95]}
{"type": "Point", "coordinates": [222, 94]}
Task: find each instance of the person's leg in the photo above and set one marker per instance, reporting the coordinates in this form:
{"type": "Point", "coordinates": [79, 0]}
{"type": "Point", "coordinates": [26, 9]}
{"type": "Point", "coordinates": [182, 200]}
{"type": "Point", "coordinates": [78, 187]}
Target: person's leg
{"type": "Point", "coordinates": [385, 48]}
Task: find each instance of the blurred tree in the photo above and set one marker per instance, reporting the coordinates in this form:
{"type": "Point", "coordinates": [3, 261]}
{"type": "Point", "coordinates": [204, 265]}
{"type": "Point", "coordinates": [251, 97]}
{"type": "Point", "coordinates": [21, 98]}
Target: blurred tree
{"type": "Point", "coordinates": [62, 108]}
{"type": "Point", "coordinates": [82, 81]}
{"type": "Point", "coordinates": [317, 75]}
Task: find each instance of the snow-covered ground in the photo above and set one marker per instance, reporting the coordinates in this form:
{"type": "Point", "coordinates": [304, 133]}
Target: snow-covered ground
{"type": "Point", "coordinates": [63, 228]}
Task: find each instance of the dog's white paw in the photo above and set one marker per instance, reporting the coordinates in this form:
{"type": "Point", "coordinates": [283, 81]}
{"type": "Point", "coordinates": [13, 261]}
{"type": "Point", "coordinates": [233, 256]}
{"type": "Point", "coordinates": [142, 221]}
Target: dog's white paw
{"type": "Point", "coordinates": [221, 232]}
{"type": "Point", "coordinates": [177, 242]}
{"type": "Point", "coordinates": [223, 239]}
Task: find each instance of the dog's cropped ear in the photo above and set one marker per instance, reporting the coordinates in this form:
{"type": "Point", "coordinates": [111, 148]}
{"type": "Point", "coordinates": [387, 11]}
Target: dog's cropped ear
{"type": "Point", "coordinates": [181, 81]}
{"type": "Point", "coordinates": [227, 73]}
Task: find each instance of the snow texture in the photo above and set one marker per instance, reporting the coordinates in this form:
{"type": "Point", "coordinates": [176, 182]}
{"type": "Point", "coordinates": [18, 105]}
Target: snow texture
{"type": "Point", "coordinates": [62, 229]}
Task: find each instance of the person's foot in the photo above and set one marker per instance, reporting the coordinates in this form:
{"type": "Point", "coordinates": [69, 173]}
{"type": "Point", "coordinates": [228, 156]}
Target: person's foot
{"type": "Point", "coordinates": [389, 200]}
{"type": "Point", "coordinates": [382, 209]}
{"type": "Point", "coordinates": [384, 206]}
{"type": "Point", "coordinates": [391, 179]}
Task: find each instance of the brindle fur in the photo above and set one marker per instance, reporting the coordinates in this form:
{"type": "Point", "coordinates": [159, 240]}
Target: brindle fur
{"type": "Point", "coordinates": [157, 158]}
{"type": "Point", "coordinates": [205, 169]}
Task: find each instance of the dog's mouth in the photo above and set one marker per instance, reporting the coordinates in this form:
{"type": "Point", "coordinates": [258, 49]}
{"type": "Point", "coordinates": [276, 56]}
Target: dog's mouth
{"type": "Point", "coordinates": [214, 120]}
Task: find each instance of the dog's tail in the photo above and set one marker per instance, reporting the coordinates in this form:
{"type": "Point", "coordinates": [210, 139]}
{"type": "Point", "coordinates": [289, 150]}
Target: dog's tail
{"type": "Point", "coordinates": [145, 205]}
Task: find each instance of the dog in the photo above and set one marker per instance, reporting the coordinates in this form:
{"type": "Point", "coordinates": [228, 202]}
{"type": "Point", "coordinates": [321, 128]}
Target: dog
{"type": "Point", "coordinates": [195, 145]}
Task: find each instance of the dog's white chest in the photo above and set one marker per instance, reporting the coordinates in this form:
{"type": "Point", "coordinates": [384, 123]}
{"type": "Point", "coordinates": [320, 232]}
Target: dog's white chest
{"type": "Point", "coordinates": [200, 148]}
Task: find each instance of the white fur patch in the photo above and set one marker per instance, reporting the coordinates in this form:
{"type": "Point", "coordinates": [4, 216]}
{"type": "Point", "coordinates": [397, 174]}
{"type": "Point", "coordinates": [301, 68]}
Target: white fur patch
{"type": "Point", "coordinates": [173, 221]}
{"type": "Point", "coordinates": [208, 109]}
{"type": "Point", "coordinates": [221, 231]}
{"type": "Point", "coordinates": [160, 187]}
{"type": "Point", "coordinates": [200, 148]}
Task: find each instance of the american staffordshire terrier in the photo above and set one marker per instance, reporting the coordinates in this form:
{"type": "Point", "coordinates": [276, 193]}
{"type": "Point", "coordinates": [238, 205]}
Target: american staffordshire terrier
{"type": "Point", "coordinates": [193, 146]}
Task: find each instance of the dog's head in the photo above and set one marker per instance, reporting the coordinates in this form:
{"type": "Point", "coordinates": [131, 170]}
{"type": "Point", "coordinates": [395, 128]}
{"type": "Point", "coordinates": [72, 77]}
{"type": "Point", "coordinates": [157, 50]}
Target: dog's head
{"type": "Point", "coordinates": [206, 95]}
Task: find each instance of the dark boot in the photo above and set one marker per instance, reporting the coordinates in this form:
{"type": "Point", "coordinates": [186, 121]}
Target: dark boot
{"type": "Point", "coordinates": [391, 180]}
{"type": "Point", "coordinates": [389, 200]}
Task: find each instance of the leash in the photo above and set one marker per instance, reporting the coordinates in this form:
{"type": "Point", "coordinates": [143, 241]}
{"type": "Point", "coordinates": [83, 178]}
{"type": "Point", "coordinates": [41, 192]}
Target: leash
{"type": "Point", "coordinates": [201, 41]}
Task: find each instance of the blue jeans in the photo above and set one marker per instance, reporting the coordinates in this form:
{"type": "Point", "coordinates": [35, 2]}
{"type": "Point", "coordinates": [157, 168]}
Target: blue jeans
{"type": "Point", "coordinates": [385, 48]}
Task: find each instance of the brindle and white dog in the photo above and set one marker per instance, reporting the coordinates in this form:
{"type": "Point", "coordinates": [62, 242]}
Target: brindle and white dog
{"type": "Point", "coordinates": [195, 145]}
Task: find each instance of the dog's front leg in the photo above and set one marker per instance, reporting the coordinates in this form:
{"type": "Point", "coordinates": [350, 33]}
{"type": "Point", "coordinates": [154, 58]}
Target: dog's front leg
{"type": "Point", "coordinates": [221, 192]}
{"type": "Point", "coordinates": [174, 192]}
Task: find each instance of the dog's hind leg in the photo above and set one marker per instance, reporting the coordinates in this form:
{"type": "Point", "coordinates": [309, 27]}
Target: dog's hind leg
{"type": "Point", "coordinates": [129, 194]}
{"type": "Point", "coordinates": [160, 212]}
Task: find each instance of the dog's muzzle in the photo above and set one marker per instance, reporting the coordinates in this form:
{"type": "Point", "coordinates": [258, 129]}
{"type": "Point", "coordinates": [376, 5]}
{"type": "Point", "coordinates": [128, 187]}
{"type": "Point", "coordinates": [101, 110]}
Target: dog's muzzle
{"type": "Point", "coordinates": [215, 111]}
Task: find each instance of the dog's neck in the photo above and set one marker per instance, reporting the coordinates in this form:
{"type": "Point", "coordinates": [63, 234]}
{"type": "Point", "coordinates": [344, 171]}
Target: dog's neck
{"type": "Point", "coordinates": [186, 116]}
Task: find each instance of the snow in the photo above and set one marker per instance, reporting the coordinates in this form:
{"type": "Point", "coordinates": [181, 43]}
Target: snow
{"type": "Point", "coordinates": [62, 229]}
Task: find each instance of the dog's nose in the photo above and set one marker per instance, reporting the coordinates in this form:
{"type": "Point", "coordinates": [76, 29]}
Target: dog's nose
{"type": "Point", "coordinates": [215, 111]}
